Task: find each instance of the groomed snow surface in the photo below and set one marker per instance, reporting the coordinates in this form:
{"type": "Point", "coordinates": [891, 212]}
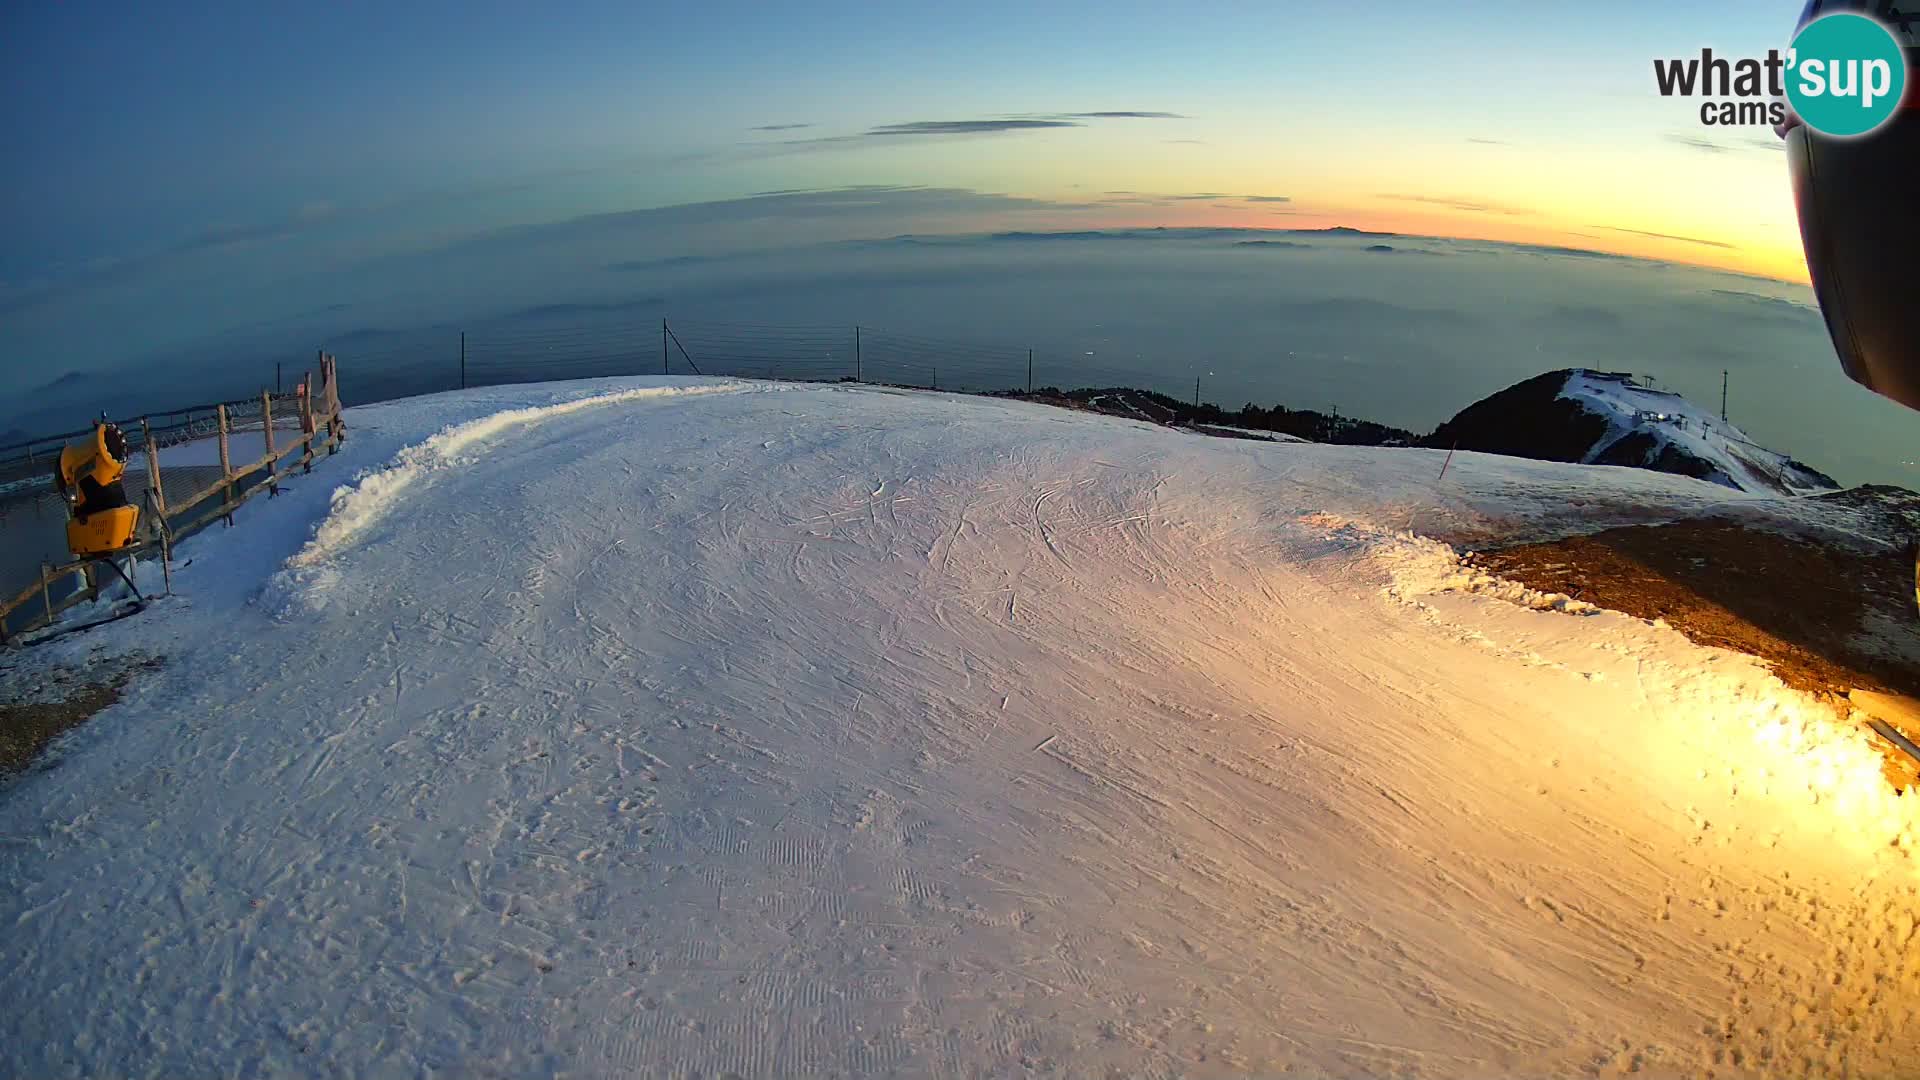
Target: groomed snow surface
{"type": "Point", "coordinates": [680, 727]}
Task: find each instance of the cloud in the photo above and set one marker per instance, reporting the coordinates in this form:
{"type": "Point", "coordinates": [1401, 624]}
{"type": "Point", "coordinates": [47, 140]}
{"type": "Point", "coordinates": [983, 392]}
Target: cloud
{"type": "Point", "coordinates": [1697, 142]}
{"type": "Point", "coordinates": [1568, 252]}
{"type": "Point", "coordinates": [965, 127]}
{"type": "Point", "coordinates": [562, 310]}
{"type": "Point", "coordinates": [1668, 236]}
{"type": "Point", "coordinates": [780, 127]}
{"type": "Point", "coordinates": [1775, 303]}
{"type": "Point", "coordinates": [1584, 317]}
{"type": "Point", "coordinates": [1190, 196]}
{"type": "Point", "coordinates": [864, 206]}
{"type": "Point", "coordinates": [106, 269]}
{"type": "Point", "coordinates": [1185, 142]}
{"type": "Point", "coordinates": [1489, 142]}
{"type": "Point", "coordinates": [1771, 308]}
{"type": "Point", "coordinates": [1125, 114]}
{"type": "Point", "coordinates": [1715, 146]}
{"type": "Point", "coordinates": [628, 265]}
{"type": "Point", "coordinates": [917, 129]}
{"type": "Point", "coordinates": [1469, 205]}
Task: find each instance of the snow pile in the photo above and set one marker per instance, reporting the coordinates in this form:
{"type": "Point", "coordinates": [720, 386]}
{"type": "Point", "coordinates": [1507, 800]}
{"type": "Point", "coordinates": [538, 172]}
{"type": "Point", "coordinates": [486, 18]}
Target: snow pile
{"type": "Point", "coordinates": [358, 506]}
{"type": "Point", "coordinates": [842, 731]}
{"type": "Point", "coordinates": [1787, 741]}
{"type": "Point", "coordinates": [1660, 430]}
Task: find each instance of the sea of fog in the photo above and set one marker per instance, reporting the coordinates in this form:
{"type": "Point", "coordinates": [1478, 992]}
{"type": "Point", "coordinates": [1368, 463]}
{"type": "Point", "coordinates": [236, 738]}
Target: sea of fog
{"type": "Point", "coordinates": [1402, 330]}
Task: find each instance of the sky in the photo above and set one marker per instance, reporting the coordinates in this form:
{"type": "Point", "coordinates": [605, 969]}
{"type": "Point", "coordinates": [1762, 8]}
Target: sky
{"type": "Point", "coordinates": [182, 170]}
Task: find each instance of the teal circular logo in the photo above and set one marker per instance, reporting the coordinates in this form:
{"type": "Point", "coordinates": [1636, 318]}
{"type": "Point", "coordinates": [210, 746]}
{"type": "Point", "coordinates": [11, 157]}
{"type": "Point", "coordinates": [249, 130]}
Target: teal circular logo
{"type": "Point", "coordinates": [1846, 74]}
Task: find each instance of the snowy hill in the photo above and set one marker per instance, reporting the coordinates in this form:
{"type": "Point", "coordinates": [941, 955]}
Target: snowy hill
{"type": "Point", "coordinates": [1604, 418]}
{"type": "Point", "coordinates": [676, 727]}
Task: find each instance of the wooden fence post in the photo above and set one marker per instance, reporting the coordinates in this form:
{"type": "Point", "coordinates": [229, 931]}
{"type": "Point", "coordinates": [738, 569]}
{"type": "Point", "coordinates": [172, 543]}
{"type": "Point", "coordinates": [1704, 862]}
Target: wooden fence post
{"type": "Point", "coordinates": [153, 467]}
{"type": "Point", "coordinates": [165, 538]}
{"type": "Point", "coordinates": [226, 463]}
{"type": "Point", "coordinates": [306, 421]}
{"type": "Point", "coordinates": [266, 427]}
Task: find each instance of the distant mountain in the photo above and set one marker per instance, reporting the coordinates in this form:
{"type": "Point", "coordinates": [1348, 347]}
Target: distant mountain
{"type": "Point", "coordinates": [1337, 230]}
{"type": "Point", "coordinates": [1603, 418]}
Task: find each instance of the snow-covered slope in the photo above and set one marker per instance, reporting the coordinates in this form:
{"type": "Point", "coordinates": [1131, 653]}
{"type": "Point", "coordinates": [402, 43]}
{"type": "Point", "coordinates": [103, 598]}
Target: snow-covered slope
{"type": "Point", "coordinates": [1655, 429]}
{"type": "Point", "coordinates": [679, 727]}
{"type": "Point", "coordinates": [1605, 418]}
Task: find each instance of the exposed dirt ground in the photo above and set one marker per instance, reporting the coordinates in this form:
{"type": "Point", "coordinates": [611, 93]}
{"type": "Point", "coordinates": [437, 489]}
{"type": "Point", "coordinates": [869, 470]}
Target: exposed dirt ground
{"type": "Point", "coordinates": [1828, 617]}
{"type": "Point", "coordinates": [37, 705]}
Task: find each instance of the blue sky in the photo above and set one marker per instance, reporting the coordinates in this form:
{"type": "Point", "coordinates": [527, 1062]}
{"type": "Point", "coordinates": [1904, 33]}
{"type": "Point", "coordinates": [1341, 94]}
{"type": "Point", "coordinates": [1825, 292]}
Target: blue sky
{"type": "Point", "coordinates": [166, 159]}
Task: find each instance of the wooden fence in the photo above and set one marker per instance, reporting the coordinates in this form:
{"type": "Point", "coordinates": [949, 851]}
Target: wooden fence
{"type": "Point", "coordinates": [165, 521]}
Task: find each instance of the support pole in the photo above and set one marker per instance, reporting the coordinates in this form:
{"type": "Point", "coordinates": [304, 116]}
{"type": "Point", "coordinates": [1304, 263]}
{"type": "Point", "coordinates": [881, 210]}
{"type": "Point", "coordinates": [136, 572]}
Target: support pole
{"type": "Point", "coordinates": [164, 536]}
{"type": "Point", "coordinates": [856, 354]}
{"type": "Point", "coordinates": [266, 429]}
{"type": "Point", "coordinates": [1029, 371]}
{"type": "Point", "coordinates": [1196, 391]}
{"type": "Point", "coordinates": [1723, 395]}
{"type": "Point", "coordinates": [663, 345]}
{"type": "Point", "coordinates": [463, 359]}
{"type": "Point", "coordinates": [936, 376]}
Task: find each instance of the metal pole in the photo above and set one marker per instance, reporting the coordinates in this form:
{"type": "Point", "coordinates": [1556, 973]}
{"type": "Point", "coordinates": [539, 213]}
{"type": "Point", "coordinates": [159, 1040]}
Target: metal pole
{"type": "Point", "coordinates": [1723, 395]}
{"type": "Point", "coordinates": [936, 376]}
{"type": "Point", "coordinates": [463, 359]}
{"type": "Point", "coordinates": [266, 429]}
{"type": "Point", "coordinates": [163, 537]}
{"type": "Point", "coordinates": [663, 345]}
{"type": "Point", "coordinates": [276, 376]}
{"type": "Point", "coordinates": [1196, 391]}
{"type": "Point", "coordinates": [856, 354]}
{"type": "Point", "coordinates": [1029, 371]}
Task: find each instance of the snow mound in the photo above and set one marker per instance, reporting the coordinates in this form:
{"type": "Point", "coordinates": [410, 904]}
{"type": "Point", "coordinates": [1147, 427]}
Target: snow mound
{"type": "Point", "coordinates": [357, 506]}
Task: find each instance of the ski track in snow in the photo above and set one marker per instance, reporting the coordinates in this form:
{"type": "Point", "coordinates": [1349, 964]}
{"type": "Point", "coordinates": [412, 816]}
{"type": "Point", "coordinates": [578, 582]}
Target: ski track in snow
{"type": "Point", "coordinates": [685, 728]}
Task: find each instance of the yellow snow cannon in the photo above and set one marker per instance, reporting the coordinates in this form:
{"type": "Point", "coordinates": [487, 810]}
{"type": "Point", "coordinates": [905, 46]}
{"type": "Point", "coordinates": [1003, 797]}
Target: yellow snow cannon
{"type": "Point", "coordinates": [89, 477]}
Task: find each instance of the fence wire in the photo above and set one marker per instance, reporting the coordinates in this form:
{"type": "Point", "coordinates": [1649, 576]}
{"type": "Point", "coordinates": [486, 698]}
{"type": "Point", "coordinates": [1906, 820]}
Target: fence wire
{"type": "Point", "coordinates": [803, 353]}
